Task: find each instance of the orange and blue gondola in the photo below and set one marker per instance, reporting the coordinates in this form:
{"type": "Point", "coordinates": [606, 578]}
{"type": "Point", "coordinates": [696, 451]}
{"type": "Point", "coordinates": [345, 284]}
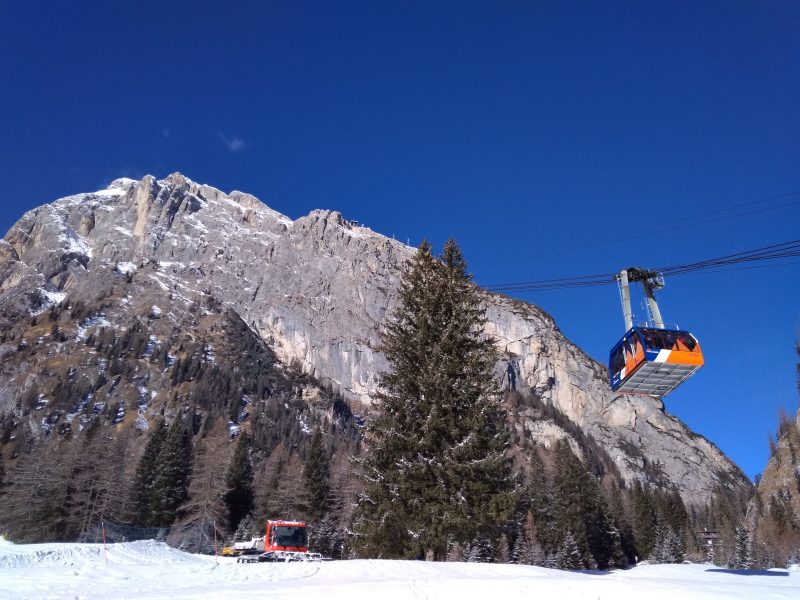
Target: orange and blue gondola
{"type": "Point", "coordinates": [653, 361]}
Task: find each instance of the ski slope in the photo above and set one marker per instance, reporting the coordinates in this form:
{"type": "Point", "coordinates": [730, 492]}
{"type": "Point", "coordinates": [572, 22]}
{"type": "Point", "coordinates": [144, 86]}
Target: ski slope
{"type": "Point", "coordinates": [153, 570]}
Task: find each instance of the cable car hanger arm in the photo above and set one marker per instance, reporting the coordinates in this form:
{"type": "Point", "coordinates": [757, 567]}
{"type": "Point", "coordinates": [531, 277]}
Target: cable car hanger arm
{"type": "Point", "coordinates": [651, 281]}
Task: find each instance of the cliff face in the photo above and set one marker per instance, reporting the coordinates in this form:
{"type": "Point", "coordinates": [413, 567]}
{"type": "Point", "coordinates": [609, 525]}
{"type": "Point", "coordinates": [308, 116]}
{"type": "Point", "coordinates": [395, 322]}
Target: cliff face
{"type": "Point", "coordinates": [780, 483]}
{"type": "Point", "coordinates": [774, 511]}
{"type": "Point", "coordinates": [315, 291]}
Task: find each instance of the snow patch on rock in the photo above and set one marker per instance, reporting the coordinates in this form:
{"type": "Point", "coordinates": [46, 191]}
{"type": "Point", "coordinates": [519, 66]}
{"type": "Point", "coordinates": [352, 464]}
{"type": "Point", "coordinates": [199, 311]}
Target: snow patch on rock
{"type": "Point", "coordinates": [126, 267]}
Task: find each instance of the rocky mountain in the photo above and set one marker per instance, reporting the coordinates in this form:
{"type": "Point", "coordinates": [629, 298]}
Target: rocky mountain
{"type": "Point", "coordinates": [774, 511]}
{"type": "Point", "coordinates": [197, 271]}
{"type": "Point", "coordinates": [782, 473]}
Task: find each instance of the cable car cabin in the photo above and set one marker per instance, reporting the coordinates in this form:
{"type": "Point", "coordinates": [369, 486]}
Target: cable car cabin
{"type": "Point", "coordinates": [653, 361]}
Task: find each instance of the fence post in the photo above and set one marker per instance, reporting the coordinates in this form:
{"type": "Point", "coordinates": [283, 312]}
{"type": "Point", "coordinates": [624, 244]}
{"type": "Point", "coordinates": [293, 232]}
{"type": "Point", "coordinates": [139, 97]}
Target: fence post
{"type": "Point", "coordinates": [105, 550]}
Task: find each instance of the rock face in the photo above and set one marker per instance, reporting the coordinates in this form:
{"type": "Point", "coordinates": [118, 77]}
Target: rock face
{"type": "Point", "coordinates": [317, 290]}
{"type": "Point", "coordinates": [780, 481]}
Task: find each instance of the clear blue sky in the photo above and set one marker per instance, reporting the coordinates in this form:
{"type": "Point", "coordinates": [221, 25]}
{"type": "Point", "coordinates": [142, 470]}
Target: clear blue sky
{"type": "Point", "coordinates": [535, 133]}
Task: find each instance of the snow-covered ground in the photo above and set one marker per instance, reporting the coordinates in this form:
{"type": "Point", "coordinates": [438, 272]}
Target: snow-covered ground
{"type": "Point", "coordinates": [153, 570]}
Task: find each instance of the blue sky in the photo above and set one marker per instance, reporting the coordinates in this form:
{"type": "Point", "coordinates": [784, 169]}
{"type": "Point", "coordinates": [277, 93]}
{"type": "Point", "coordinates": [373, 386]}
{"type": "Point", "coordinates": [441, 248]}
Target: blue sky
{"type": "Point", "coordinates": [540, 135]}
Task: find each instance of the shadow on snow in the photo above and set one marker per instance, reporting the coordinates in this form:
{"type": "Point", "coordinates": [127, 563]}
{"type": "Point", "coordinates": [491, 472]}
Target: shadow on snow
{"type": "Point", "coordinates": [750, 572]}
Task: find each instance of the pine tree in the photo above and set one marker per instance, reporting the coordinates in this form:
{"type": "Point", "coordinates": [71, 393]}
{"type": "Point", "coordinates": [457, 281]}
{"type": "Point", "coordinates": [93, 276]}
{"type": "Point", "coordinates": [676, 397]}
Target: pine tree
{"type": "Point", "coordinates": [171, 480]}
{"type": "Point", "coordinates": [678, 546]}
{"type": "Point", "coordinates": [667, 546]}
{"type": "Point", "coordinates": [437, 465]}
{"type": "Point", "coordinates": [480, 550]}
{"type": "Point", "coordinates": [742, 558]}
{"type": "Point", "coordinates": [617, 557]}
{"type": "Point", "coordinates": [568, 557]}
{"type": "Point", "coordinates": [247, 529]}
{"type": "Point", "coordinates": [239, 483]}
{"type": "Point", "coordinates": [316, 475]}
{"type": "Point", "coordinates": [581, 509]}
{"type": "Point", "coordinates": [325, 538]}
{"type": "Point", "coordinates": [644, 520]}
{"type": "Point", "coordinates": [674, 512]}
{"type": "Point", "coordinates": [520, 550]}
{"type": "Point", "coordinates": [145, 474]}
{"type": "Point", "coordinates": [2, 469]}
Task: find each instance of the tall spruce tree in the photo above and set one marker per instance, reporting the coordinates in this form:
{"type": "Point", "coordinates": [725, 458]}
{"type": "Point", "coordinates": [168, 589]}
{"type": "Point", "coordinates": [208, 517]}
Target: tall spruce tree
{"type": "Point", "coordinates": [145, 474]}
{"type": "Point", "coordinates": [171, 480]}
{"type": "Point", "coordinates": [480, 551]}
{"type": "Point", "coordinates": [569, 554]}
{"type": "Point", "coordinates": [239, 482]}
{"type": "Point", "coordinates": [668, 546]}
{"type": "Point", "coordinates": [437, 464]}
{"type": "Point", "coordinates": [644, 520]}
{"type": "Point", "coordinates": [316, 475]}
{"type": "Point", "coordinates": [743, 553]}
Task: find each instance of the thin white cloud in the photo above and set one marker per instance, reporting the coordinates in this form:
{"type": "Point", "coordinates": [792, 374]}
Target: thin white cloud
{"type": "Point", "coordinates": [165, 133]}
{"type": "Point", "coordinates": [233, 143]}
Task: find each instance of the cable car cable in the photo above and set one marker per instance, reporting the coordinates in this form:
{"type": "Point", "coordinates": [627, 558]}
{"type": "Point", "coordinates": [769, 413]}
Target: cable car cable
{"type": "Point", "coordinates": [771, 252]}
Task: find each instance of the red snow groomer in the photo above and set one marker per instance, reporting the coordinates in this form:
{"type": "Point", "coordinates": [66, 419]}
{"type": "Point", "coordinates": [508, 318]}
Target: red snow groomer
{"type": "Point", "coordinates": [286, 536]}
{"type": "Point", "coordinates": [284, 541]}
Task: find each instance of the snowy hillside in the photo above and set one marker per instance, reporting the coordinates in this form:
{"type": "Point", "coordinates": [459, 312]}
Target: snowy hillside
{"type": "Point", "coordinates": [153, 570]}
